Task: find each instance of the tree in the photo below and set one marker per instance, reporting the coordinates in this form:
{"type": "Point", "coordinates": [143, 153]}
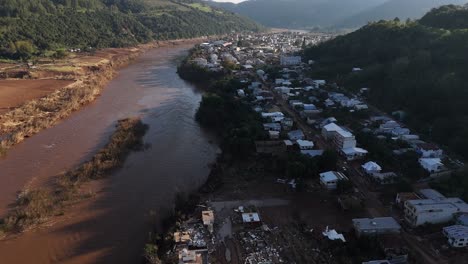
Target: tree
{"type": "Point", "coordinates": [328, 160]}
{"type": "Point", "coordinates": [344, 187]}
{"type": "Point", "coordinates": [151, 254]}
{"type": "Point", "coordinates": [23, 49]}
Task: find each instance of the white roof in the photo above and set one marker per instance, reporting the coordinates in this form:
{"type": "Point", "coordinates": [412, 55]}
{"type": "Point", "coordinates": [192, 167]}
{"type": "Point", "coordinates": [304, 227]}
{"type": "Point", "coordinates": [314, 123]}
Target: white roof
{"type": "Point", "coordinates": [344, 133]}
{"type": "Point", "coordinates": [371, 166]}
{"type": "Point", "coordinates": [350, 151]}
{"type": "Point", "coordinates": [431, 161]}
{"type": "Point", "coordinates": [305, 143]}
{"type": "Point", "coordinates": [331, 176]}
{"type": "Point", "coordinates": [332, 127]}
{"type": "Point", "coordinates": [250, 217]}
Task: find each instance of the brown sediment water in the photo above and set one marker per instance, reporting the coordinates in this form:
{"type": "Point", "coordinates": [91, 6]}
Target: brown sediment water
{"type": "Point", "coordinates": [112, 226]}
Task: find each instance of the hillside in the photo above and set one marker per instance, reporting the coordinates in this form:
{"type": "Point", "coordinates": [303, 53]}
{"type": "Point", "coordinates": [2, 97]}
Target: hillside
{"type": "Point", "coordinates": [402, 9]}
{"type": "Point", "coordinates": [299, 13]}
{"type": "Point", "coordinates": [408, 66]}
{"type": "Point", "coordinates": [44, 26]}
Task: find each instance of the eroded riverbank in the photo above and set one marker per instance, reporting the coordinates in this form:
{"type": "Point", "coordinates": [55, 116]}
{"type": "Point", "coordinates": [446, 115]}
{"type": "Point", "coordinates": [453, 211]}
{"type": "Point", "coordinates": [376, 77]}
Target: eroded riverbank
{"type": "Point", "coordinates": [111, 226]}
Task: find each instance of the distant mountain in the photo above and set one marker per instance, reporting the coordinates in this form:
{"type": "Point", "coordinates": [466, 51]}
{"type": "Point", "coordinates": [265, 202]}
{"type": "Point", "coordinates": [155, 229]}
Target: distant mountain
{"type": "Point", "coordinates": [402, 9]}
{"type": "Point", "coordinates": [49, 25]}
{"type": "Point", "coordinates": [330, 13]}
{"type": "Point", "coordinates": [299, 13]}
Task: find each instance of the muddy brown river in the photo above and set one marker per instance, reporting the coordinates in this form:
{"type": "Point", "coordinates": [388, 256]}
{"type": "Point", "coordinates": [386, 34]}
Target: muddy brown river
{"type": "Point", "coordinates": [112, 226]}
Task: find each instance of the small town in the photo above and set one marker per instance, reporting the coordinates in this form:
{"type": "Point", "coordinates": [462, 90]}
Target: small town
{"type": "Point", "coordinates": [376, 202]}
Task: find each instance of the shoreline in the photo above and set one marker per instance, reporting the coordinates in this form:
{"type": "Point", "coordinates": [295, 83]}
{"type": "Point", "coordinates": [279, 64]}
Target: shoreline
{"type": "Point", "coordinates": [35, 115]}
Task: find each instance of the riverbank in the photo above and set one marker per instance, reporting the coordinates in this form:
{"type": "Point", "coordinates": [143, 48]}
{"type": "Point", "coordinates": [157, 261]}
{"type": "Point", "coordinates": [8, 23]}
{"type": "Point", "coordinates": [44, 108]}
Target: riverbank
{"type": "Point", "coordinates": [112, 225]}
{"type": "Point", "coordinates": [89, 73]}
{"type": "Point", "coordinates": [36, 206]}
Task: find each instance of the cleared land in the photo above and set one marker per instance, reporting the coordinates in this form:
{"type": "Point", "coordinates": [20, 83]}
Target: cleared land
{"type": "Point", "coordinates": [13, 93]}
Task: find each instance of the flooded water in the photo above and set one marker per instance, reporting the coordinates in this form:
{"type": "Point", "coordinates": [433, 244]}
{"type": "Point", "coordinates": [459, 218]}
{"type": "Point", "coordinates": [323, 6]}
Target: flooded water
{"type": "Point", "coordinates": [112, 226]}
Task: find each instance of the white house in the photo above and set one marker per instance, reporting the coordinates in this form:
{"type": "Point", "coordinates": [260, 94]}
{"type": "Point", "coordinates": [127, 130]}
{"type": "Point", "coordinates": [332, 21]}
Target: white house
{"type": "Point", "coordinates": [344, 139]}
{"type": "Point", "coordinates": [428, 150]}
{"type": "Point", "coordinates": [305, 144]}
{"type": "Point", "coordinates": [371, 167]}
{"type": "Point", "coordinates": [330, 179]}
{"type": "Point", "coordinates": [457, 235]}
{"type": "Point", "coordinates": [296, 135]}
{"type": "Point", "coordinates": [354, 153]}
{"type": "Point", "coordinates": [328, 130]}
{"type": "Point", "coordinates": [432, 165]}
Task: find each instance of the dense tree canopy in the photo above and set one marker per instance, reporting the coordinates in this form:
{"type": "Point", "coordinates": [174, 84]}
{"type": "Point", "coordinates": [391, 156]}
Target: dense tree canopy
{"type": "Point", "coordinates": [408, 66]}
{"type": "Point", "coordinates": [54, 24]}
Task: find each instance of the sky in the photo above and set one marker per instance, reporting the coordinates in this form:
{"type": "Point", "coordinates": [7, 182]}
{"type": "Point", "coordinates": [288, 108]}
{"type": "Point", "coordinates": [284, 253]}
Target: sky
{"type": "Point", "coordinates": [232, 1]}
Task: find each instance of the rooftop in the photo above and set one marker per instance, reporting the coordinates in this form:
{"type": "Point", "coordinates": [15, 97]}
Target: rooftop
{"type": "Point", "coordinates": [332, 127]}
{"type": "Point", "coordinates": [456, 231]}
{"type": "Point", "coordinates": [431, 194]}
{"type": "Point", "coordinates": [332, 176]}
{"type": "Point", "coordinates": [376, 223]}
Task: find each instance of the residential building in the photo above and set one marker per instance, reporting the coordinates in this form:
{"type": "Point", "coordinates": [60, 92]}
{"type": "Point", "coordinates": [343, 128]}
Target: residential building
{"type": "Point", "coordinates": [371, 167]}
{"type": "Point", "coordinates": [432, 165]}
{"type": "Point", "coordinates": [354, 153]}
{"type": "Point", "coordinates": [305, 144]}
{"type": "Point", "coordinates": [296, 135]}
{"type": "Point", "coordinates": [457, 235]}
{"type": "Point", "coordinates": [328, 130]}
{"type": "Point", "coordinates": [330, 179]}
{"type": "Point", "coordinates": [344, 139]}
{"type": "Point", "coordinates": [312, 152]}
{"type": "Point", "coordinates": [376, 226]}
{"type": "Point", "coordinates": [428, 150]}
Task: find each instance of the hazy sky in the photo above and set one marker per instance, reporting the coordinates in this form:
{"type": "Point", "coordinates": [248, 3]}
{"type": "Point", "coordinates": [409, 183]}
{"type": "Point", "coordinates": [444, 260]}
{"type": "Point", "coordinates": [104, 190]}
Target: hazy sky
{"type": "Point", "coordinates": [232, 1]}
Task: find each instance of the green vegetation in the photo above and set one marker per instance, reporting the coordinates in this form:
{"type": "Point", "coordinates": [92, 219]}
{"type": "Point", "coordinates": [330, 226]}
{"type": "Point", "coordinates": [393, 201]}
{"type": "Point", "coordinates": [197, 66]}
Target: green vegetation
{"type": "Point", "coordinates": [35, 206]}
{"type": "Point", "coordinates": [233, 120]}
{"type": "Point", "coordinates": [33, 27]}
{"type": "Point", "coordinates": [454, 186]}
{"type": "Point", "coordinates": [448, 17]}
{"type": "Point", "coordinates": [408, 66]}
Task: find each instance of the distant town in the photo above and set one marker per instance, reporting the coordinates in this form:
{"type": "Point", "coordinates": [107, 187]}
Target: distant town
{"type": "Point", "coordinates": [374, 204]}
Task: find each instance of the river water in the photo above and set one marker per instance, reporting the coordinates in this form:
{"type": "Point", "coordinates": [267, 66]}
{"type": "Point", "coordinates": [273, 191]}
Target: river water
{"type": "Point", "coordinates": [111, 227]}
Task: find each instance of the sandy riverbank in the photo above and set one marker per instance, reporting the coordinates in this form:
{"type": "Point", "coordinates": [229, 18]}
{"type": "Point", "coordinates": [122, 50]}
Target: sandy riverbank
{"type": "Point", "coordinates": [70, 84]}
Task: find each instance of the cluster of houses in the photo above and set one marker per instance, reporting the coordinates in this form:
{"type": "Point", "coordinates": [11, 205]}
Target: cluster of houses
{"type": "Point", "coordinates": [308, 99]}
{"type": "Point", "coordinates": [261, 49]}
{"type": "Point", "coordinates": [431, 156]}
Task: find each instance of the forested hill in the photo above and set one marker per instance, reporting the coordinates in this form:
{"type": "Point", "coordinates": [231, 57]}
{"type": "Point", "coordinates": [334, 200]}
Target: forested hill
{"type": "Point", "coordinates": [403, 9]}
{"type": "Point", "coordinates": [420, 67]}
{"type": "Point", "coordinates": [41, 26]}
